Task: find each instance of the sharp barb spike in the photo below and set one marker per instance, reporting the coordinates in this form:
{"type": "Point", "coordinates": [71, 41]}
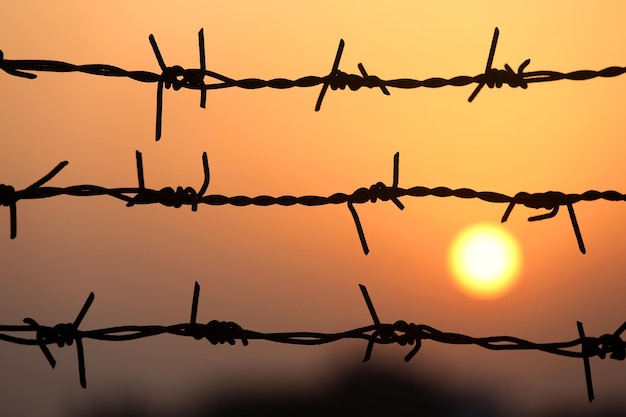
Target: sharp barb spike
{"type": "Point", "coordinates": [545, 216]}
{"type": "Point", "coordinates": [579, 236]}
{"type": "Point", "coordinates": [207, 175]}
{"type": "Point", "coordinates": [587, 365]}
{"type": "Point", "coordinates": [159, 111]}
{"type": "Point", "coordinates": [508, 211]}
{"type": "Point", "coordinates": [83, 311]}
{"type": "Point", "coordinates": [13, 219]}
{"type": "Point", "coordinates": [140, 178]}
{"type": "Point", "coordinates": [333, 71]}
{"type": "Point", "coordinates": [194, 303]}
{"type": "Point", "coordinates": [82, 373]}
{"type": "Point", "coordinates": [359, 228]}
{"type": "Point", "coordinates": [492, 52]}
{"type": "Point", "coordinates": [157, 52]}
{"type": "Point", "coordinates": [202, 67]}
{"type": "Point", "coordinates": [370, 305]}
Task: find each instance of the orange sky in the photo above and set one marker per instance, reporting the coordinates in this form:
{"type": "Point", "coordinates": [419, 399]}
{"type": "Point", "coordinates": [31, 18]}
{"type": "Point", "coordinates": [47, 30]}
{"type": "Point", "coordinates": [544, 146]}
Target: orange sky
{"type": "Point", "coordinates": [298, 268]}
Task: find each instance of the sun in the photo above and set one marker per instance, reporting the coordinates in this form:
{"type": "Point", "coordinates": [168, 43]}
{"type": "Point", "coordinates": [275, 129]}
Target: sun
{"type": "Point", "coordinates": [485, 260]}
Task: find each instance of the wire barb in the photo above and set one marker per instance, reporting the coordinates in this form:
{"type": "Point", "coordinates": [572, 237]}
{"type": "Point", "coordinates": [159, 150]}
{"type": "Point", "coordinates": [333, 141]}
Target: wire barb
{"type": "Point", "coordinates": [586, 350]}
{"type": "Point", "coordinates": [63, 334]}
{"type": "Point", "coordinates": [400, 332]}
{"type": "Point", "coordinates": [167, 196]}
{"type": "Point", "coordinates": [177, 77]}
{"type": "Point", "coordinates": [214, 331]}
{"type": "Point", "coordinates": [334, 73]}
{"type": "Point", "coordinates": [372, 310]}
{"type": "Point", "coordinates": [488, 69]}
{"type": "Point", "coordinates": [553, 200]}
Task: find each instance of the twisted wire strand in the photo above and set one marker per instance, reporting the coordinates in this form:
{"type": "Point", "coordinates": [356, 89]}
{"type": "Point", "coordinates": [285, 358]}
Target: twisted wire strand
{"type": "Point", "coordinates": [188, 196]}
{"type": "Point", "coordinates": [220, 332]}
{"type": "Point", "coordinates": [177, 77]}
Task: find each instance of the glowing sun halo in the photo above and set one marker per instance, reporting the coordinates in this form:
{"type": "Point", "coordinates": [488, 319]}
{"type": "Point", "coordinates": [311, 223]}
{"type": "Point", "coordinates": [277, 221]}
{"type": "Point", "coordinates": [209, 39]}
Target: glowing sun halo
{"type": "Point", "coordinates": [485, 260]}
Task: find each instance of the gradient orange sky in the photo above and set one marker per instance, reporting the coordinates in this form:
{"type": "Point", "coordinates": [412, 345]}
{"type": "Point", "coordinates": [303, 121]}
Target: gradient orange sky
{"type": "Point", "coordinates": [298, 268]}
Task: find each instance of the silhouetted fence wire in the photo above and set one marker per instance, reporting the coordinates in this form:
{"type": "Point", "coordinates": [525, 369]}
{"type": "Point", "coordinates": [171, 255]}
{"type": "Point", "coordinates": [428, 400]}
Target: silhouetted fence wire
{"type": "Point", "coordinates": [177, 77]}
{"type": "Point", "coordinates": [188, 196]}
{"type": "Point", "coordinates": [219, 332]}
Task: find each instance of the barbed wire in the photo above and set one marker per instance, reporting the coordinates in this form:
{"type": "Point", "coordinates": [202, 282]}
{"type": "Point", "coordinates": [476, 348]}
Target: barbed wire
{"type": "Point", "coordinates": [219, 332]}
{"type": "Point", "coordinates": [188, 196]}
{"type": "Point", "coordinates": [177, 77]}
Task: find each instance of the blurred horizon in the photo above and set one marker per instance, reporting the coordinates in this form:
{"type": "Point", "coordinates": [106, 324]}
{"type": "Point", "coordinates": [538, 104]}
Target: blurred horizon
{"type": "Point", "coordinates": [363, 389]}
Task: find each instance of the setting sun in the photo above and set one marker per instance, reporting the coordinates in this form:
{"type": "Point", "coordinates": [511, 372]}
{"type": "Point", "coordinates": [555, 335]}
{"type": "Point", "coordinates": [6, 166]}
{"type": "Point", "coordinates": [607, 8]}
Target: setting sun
{"type": "Point", "coordinates": [484, 260]}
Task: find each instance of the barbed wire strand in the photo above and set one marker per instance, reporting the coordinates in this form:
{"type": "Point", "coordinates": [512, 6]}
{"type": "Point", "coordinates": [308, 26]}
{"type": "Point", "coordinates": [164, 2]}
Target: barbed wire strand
{"type": "Point", "coordinates": [188, 196]}
{"type": "Point", "coordinates": [177, 77]}
{"type": "Point", "coordinates": [220, 332]}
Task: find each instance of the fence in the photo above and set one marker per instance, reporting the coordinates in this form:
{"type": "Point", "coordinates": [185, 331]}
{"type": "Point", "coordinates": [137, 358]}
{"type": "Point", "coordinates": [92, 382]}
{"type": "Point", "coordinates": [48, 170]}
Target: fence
{"type": "Point", "coordinates": [401, 332]}
{"type": "Point", "coordinates": [188, 196]}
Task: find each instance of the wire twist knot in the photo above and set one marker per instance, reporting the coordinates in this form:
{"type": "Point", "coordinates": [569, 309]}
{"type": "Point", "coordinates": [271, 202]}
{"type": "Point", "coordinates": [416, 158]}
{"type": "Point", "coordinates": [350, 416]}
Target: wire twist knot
{"type": "Point", "coordinates": [182, 196]}
{"type": "Point", "coordinates": [62, 334]}
{"type": "Point", "coordinates": [170, 77]}
{"type": "Point", "coordinates": [339, 80]}
{"type": "Point", "coordinates": [193, 78]}
{"type": "Point", "coordinates": [380, 191]}
{"type": "Point", "coordinates": [219, 332]}
{"type": "Point", "coordinates": [546, 200]}
{"type": "Point", "coordinates": [168, 197]}
{"type": "Point", "coordinates": [497, 78]}
{"type": "Point", "coordinates": [8, 196]}
{"type": "Point", "coordinates": [411, 335]}
{"type": "Point", "coordinates": [606, 344]}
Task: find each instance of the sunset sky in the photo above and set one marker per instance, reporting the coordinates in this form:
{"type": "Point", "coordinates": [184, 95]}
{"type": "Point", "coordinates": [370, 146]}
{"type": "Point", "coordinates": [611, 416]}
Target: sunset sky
{"type": "Point", "coordinates": [278, 269]}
